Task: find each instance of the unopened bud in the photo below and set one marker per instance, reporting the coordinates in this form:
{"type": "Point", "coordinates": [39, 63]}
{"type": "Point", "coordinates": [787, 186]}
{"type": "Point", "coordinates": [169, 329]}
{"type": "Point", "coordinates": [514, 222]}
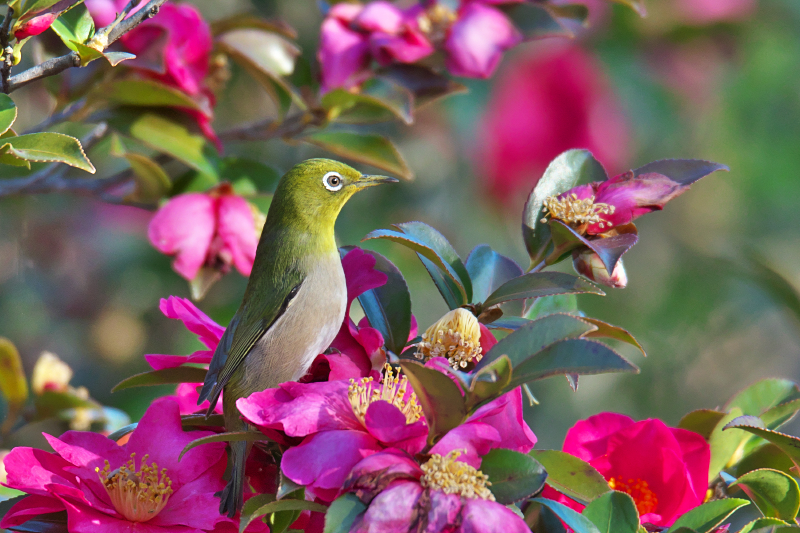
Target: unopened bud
{"type": "Point", "coordinates": [456, 337]}
{"type": "Point", "coordinates": [50, 373]}
{"type": "Point", "coordinates": [588, 264]}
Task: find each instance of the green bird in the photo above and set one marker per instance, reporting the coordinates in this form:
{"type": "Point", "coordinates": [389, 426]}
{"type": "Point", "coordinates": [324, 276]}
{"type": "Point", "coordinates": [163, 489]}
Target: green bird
{"type": "Point", "coordinates": [294, 303]}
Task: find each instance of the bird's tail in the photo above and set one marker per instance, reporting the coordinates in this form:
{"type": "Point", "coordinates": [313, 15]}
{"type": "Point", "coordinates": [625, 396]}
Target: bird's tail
{"type": "Point", "coordinates": [232, 496]}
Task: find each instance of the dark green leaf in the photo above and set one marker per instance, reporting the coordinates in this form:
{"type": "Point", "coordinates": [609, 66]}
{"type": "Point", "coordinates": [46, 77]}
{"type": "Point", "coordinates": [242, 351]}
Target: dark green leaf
{"type": "Point", "coordinates": [440, 399]}
{"type": "Point", "coordinates": [542, 520]}
{"type": "Point", "coordinates": [608, 331]}
{"type": "Point", "coordinates": [609, 249]}
{"type": "Point", "coordinates": [775, 284]}
{"type": "Point", "coordinates": [509, 323]}
{"type": "Point", "coordinates": [232, 436]}
{"type": "Point", "coordinates": [135, 92]}
{"type": "Point", "coordinates": [488, 270]}
{"type": "Point", "coordinates": [613, 512]}
{"type": "Point", "coordinates": [514, 476]}
{"type": "Point", "coordinates": [425, 84]}
{"type": "Point", "coordinates": [535, 336]}
{"type": "Point", "coordinates": [537, 284]}
{"type": "Point", "coordinates": [702, 421]}
{"type": "Point", "coordinates": [286, 487]}
{"type": "Point", "coordinates": [636, 5]}
{"type": "Point", "coordinates": [342, 513]}
{"type": "Point", "coordinates": [765, 456]}
{"type": "Point", "coordinates": [684, 171]}
{"type": "Point", "coordinates": [723, 444]}
{"type": "Point", "coordinates": [547, 305]}
{"type": "Point", "coordinates": [537, 22]}
{"type": "Point", "coordinates": [380, 99]}
{"type": "Point", "coordinates": [577, 522]}
{"type": "Point", "coordinates": [388, 307]}
{"type": "Point", "coordinates": [451, 292]}
{"type": "Point", "coordinates": [764, 395]}
{"type": "Point", "coordinates": [573, 167]}
{"type": "Point", "coordinates": [789, 444]}
{"type": "Point", "coordinates": [173, 139]}
{"type": "Point", "coordinates": [263, 177]}
{"type": "Point", "coordinates": [74, 25]}
{"type": "Point", "coordinates": [47, 147]}
{"type": "Point", "coordinates": [571, 476]}
{"type": "Point", "coordinates": [255, 511]}
{"type": "Point", "coordinates": [368, 148]}
{"type": "Point", "coordinates": [571, 356]}
{"type": "Point", "coordinates": [121, 432]}
{"type": "Point", "coordinates": [775, 493]}
{"type": "Point", "coordinates": [706, 517]}
{"type": "Point", "coordinates": [180, 374]}
{"type": "Point", "coordinates": [762, 523]}
{"type": "Point", "coordinates": [575, 13]}
{"type": "Point", "coordinates": [45, 523]}
{"type": "Point", "coordinates": [489, 382]}
{"type": "Point", "coordinates": [8, 112]}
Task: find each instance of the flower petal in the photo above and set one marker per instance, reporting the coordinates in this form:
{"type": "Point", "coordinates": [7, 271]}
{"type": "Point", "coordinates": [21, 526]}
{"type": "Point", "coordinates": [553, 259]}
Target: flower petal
{"type": "Point", "coordinates": [184, 227]}
{"type": "Point", "coordinates": [208, 331]}
{"type": "Point", "coordinates": [391, 511]}
{"type": "Point", "coordinates": [30, 507]}
{"type": "Point", "coordinates": [387, 424]}
{"type": "Point", "coordinates": [194, 504]}
{"type": "Point", "coordinates": [588, 438]}
{"type": "Point", "coordinates": [236, 227]}
{"type": "Point", "coordinates": [31, 470]}
{"type": "Point", "coordinates": [477, 41]}
{"type": "Point", "coordinates": [484, 516]}
{"type": "Point", "coordinates": [360, 274]}
{"type": "Point", "coordinates": [343, 55]}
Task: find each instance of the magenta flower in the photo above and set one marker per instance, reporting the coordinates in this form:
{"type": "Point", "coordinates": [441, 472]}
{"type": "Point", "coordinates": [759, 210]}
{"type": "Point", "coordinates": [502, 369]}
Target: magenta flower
{"type": "Point", "coordinates": [217, 229]}
{"type": "Point", "coordinates": [665, 470]}
{"type": "Point", "coordinates": [589, 265]}
{"type": "Point", "coordinates": [442, 494]}
{"type": "Point", "coordinates": [90, 477]}
{"type": "Point", "coordinates": [34, 26]}
{"type": "Point", "coordinates": [556, 100]}
{"type": "Point", "coordinates": [208, 332]}
{"type": "Point", "coordinates": [478, 39]}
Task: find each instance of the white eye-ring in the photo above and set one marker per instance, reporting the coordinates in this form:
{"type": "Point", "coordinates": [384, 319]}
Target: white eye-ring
{"type": "Point", "coordinates": [333, 181]}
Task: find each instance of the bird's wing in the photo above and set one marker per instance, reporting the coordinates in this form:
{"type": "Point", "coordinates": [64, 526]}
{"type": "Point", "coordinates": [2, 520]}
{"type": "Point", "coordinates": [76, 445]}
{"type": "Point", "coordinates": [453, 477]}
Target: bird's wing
{"type": "Point", "coordinates": [244, 331]}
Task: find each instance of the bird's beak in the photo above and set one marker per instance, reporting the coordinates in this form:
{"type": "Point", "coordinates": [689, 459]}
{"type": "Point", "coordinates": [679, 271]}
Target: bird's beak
{"type": "Point", "coordinates": [367, 180]}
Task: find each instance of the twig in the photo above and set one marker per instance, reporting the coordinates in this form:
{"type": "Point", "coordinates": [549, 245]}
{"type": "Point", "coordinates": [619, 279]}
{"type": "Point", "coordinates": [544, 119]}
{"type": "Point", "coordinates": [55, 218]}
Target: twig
{"type": "Point", "coordinates": [7, 51]}
{"type": "Point", "coordinates": [59, 64]}
{"type": "Point", "coordinates": [62, 116]}
{"type": "Point", "coordinates": [272, 129]}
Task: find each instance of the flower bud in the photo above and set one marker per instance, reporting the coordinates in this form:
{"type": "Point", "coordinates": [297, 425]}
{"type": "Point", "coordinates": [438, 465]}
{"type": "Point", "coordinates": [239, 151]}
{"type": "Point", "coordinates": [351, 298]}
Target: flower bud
{"type": "Point", "coordinates": [50, 373]}
{"type": "Point", "coordinates": [34, 26]}
{"type": "Point", "coordinates": [588, 264]}
{"type": "Point", "coordinates": [456, 337]}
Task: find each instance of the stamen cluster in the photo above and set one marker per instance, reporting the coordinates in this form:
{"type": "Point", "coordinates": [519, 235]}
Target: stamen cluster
{"type": "Point", "coordinates": [456, 337]}
{"type": "Point", "coordinates": [571, 210]}
{"type": "Point", "coordinates": [436, 21]}
{"type": "Point", "coordinates": [138, 495]}
{"type": "Point", "coordinates": [392, 389]}
{"type": "Point", "coordinates": [638, 489]}
{"type": "Point", "coordinates": [451, 476]}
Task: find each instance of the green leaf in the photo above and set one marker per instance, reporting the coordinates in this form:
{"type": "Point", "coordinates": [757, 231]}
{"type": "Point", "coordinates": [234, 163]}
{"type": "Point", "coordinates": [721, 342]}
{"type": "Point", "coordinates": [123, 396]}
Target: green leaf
{"type": "Point", "coordinates": [609, 249]}
{"type": "Point", "coordinates": [636, 5]}
{"type": "Point", "coordinates": [145, 93]}
{"type": "Point", "coordinates": [74, 25]}
{"type": "Point", "coordinates": [425, 84]}
{"type": "Point", "coordinates": [762, 523]}
{"type": "Point", "coordinates": [509, 323]}
{"type": "Point", "coordinates": [577, 522]}
{"type": "Point", "coordinates": [263, 177]}
{"type": "Point", "coordinates": [538, 22]}
{"type": "Point", "coordinates": [152, 181]}
{"type": "Point", "coordinates": [368, 148]}
{"type": "Point", "coordinates": [723, 444]}
{"type": "Point", "coordinates": [380, 100]}
{"type": "Point", "coordinates": [684, 171]}
{"type": "Point", "coordinates": [765, 456]}
{"type": "Point", "coordinates": [489, 382]}
{"type": "Point", "coordinates": [173, 139]}
{"type": "Point", "coordinates": [706, 517]}
{"type": "Point", "coordinates": [13, 384]}
{"type": "Point", "coordinates": [8, 112]}
{"type": "Point", "coordinates": [787, 443]}
{"type": "Point", "coordinates": [48, 147]}
{"type": "Point", "coordinates": [179, 374]}
{"type": "Point", "coordinates": [775, 493]}
{"type": "Point", "coordinates": [702, 421]}
{"type": "Point", "coordinates": [388, 307]}
{"type": "Point", "coordinates": [575, 13]}
{"type": "Point", "coordinates": [263, 504]}
{"type": "Point", "coordinates": [89, 54]}
{"type": "Point", "coordinates": [571, 356]}
{"type": "Point", "coordinates": [537, 284]}
{"type": "Point", "coordinates": [548, 305]}
{"type": "Point", "coordinates": [10, 159]}
{"type": "Point", "coordinates": [488, 270]}
{"type": "Point", "coordinates": [775, 284]}
{"type": "Point", "coordinates": [232, 436]}
{"type": "Point", "coordinates": [342, 513]}
{"type": "Point", "coordinates": [440, 399]}
{"type": "Point", "coordinates": [429, 248]}
{"type": "Point", "coordinates": [764, 395]}
{"type": "Point", "coordinates": [514, 476]}
{"type": "Point", "coordinates": [573, 167]}
{"type": "Point", "coordinates": [121, 432]}
{"type": "Point", "coordinates": [571, 476]}
{"type": "Point", "coordinates": [608, 331]}
{"type": "Point", "coordinates": [535, 336]}
{"type": "Point", "coordinates": [613, 512]}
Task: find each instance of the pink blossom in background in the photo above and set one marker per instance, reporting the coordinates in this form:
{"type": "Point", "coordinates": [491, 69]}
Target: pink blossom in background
{"type": "Point", "coordinates": [664, 469]}
{"type": "Point", "coordinates": [710, 11]}
{"type": "Point", "coordinates": [67, 480]}
{"type": "Point", "coordinates": [543, 104]}
{"type": "Point", "coordinates": [477, 40]}
{"type": "Point", "coordinates": [215, 229]}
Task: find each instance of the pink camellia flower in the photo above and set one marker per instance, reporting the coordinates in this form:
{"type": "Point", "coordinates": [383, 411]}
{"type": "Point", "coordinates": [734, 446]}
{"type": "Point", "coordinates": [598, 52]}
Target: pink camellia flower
{"type": "Point", "coordinates": [217, 229]}
{"type": "Point", "coordinates": [664, 469]}
{"type": "Point", "coordinates": [89, 476]}
{"type": "Point", "coordinates": [207, 331]}
{"type": "Point", "coordinates": [699, 12]}
{"type": "Point", "coordinates": [341, 424]}
{"type": "Point", "coordinates": [544, 104]}
{"type": "Point", "coordinates": [443, 495]}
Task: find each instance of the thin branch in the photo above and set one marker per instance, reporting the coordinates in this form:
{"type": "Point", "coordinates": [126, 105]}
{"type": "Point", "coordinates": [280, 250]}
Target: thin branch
{"type": "Point", "coordinates": [62, 116]}
{"type": "Point", "coordinates": [59, 64]}
{"type": "Point", "coordinates": [272, 129]}
{"type": "Point", "coordinates": [7, 52]}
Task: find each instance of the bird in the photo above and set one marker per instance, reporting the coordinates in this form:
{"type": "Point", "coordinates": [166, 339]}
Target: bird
{"type": "Point", "coordinates": [294, 303]}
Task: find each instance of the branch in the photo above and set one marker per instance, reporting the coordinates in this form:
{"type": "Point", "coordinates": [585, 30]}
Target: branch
{"type": "Point", "coordinates": [271, 129]}
{"type": "Point", "coordinates": [7, 52]}
{"type": "Point", "coordinates": [57, 65]}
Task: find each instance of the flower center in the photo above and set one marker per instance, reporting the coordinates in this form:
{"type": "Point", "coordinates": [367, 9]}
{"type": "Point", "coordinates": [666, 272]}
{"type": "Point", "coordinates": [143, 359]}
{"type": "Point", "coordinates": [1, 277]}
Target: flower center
{"type": "Point", "coordinates": [392, 389]}
{"type": "Point", "coordinates": [638, 489]}
{"type": "Point", "coordinates": [573, 211]}
{"type": "Point", "coordinates": [138, 495]}
{"type": "Point", "coordinates": [436, 20]}
{"type": "Point", "coordinates": [451, 476]}
{"type": "Point", "coordinates": [456, 337]}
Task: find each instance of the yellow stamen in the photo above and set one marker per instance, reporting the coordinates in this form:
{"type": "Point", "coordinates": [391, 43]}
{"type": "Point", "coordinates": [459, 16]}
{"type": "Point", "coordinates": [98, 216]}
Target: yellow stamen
{"type": "Point", "coordinates": [138, 495]}
{"type": "Point", "coordinates": [451, 476]}
{"type": "Point", "coordinates": [570, 210]}
{"type": "Point", "coordinates": [638, 489]}
{"type": "Point", "coordinates": [436, 21]}
{"type": "Point", "coordinates": [456, 337]}
{"type": "Point", "coordinates": [392, 389]}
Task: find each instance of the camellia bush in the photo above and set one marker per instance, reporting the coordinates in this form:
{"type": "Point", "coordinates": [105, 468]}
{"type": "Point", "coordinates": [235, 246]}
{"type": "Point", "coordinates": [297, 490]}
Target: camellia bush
{"type": "Point", "coordinates": [398, 426]}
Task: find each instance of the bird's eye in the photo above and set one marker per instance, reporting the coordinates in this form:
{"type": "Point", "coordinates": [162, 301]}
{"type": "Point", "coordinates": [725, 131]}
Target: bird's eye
{"type": "Point", "coordinates": [332, 181]}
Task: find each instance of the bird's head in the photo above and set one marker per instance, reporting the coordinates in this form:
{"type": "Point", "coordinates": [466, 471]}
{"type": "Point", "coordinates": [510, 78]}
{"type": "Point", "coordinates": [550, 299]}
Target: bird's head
{"type": "Point", "coordinates": [315, 190]}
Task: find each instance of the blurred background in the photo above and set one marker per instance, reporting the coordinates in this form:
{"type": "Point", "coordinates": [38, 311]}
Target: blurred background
{"type": "Point", "coordinates": [710, 79]}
